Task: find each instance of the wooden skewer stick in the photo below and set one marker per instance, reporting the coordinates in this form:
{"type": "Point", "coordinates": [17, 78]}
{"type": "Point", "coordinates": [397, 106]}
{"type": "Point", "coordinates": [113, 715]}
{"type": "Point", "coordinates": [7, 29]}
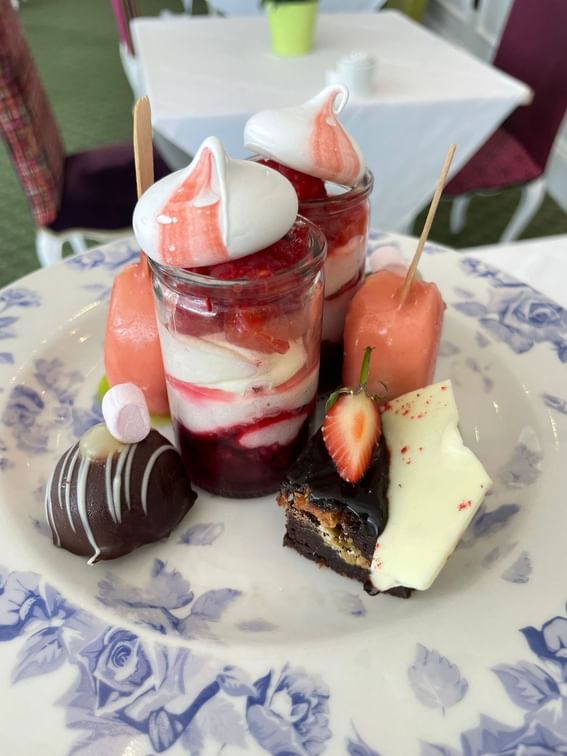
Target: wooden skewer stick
{"type": "Point", "coordinates": [143, 148]}
{"type": "Point", "coordinates": [143, 154]}
{"type": "Point", "coordinates": [412, 270]}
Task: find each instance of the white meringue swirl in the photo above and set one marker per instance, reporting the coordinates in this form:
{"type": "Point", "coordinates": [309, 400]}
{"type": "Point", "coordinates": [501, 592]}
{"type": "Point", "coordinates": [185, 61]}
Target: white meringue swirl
{"type": "Point", "coordinates": [216, 209]}
{"type": "Point", "coordinates": [309, 138]}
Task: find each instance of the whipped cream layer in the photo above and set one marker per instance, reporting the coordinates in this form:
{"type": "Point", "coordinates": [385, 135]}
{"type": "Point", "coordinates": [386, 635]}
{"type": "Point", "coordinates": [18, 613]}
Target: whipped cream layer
{"type": "Point", "coordinates": [343, 264]}
{"type": "Point", "coordinates": [213, 362]}
{"type": "Point", "coordinates": [214, 385]}
{"type": "Point", "coordinates": [209, 410]}
{"type": "Point", "coordinates": [214, 210]}
{"type": "Point", "coordinates": [309, 138]}
{"type": "Point", "coordinates": [436, 486]}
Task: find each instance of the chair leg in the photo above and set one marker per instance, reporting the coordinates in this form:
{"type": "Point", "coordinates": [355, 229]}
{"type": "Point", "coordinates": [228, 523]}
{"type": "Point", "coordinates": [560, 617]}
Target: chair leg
{"type": "Point", "coordinates": [49, 247]}
{"type": "Point", "coordinates": [458, 216]}
{"type": "Point", "coordinates": [78, 243]}
{"type": "Point", "coordinates": [530, 201]}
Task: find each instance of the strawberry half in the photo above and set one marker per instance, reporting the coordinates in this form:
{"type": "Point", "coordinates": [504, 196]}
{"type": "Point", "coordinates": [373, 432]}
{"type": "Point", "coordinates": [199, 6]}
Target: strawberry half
{"type": "Point", "coordinates": [351, 428]}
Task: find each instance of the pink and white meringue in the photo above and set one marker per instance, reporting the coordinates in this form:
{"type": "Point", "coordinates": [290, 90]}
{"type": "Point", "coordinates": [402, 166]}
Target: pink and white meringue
{"type": "Point", "coordinates": [216, 209]}
{"type": "Point", "coordinates": [309, 138]}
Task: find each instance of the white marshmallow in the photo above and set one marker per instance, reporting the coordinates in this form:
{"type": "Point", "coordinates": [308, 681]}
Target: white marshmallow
{"type": "Point", "coordinates": [126, 413]}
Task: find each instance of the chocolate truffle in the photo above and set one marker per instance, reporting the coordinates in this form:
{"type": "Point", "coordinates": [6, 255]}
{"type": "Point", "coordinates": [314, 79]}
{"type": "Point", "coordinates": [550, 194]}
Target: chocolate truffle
{"type": "Point", "coordinates": [106, 498]}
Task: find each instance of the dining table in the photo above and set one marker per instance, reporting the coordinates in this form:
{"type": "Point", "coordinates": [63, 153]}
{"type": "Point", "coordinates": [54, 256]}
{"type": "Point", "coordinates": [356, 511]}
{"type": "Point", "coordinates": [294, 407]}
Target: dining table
{"type": "Point", "coordinates": [207, 75]}
{"type": "Point", "coordinates": [217, 640]}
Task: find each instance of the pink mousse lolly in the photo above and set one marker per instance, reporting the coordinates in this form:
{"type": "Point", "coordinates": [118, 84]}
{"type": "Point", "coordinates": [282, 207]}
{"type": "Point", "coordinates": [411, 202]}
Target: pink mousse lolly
{"type": "Point", "coordinates": [405, 336]}
{"type": "Point", "coordinates": [132, 352]}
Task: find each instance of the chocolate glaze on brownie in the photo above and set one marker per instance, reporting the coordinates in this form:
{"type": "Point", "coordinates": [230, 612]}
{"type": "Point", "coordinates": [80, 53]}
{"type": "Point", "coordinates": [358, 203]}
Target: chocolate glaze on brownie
{"type": "Point", "coordinates": [367, 499]}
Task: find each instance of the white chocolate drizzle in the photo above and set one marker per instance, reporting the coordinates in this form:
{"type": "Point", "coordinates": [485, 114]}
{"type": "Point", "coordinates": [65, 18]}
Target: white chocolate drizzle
{"type": "Point", "coordinates": [148, 472]}
{"type": "Point", "coordinates": [49, 509]}
{"type": "Point", "coordinates": [82, 506]}
{"type": "Point", "coordinates": [128, 473]}
{"type": "Point", "coordinates": [67, 483]}
{"type": "Point", "coordinates": [117, 483]}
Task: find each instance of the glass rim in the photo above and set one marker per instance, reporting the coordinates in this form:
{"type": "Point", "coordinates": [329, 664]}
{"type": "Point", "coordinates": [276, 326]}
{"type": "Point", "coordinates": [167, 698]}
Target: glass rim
{"type": "Point", "coordinates": [313, 259]}
{"type": "Point", "coordinates": [362, 188]}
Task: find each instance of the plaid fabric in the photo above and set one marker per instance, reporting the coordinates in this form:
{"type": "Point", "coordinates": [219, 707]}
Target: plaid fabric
{"type": "Point", "coordinates": [27, 123]}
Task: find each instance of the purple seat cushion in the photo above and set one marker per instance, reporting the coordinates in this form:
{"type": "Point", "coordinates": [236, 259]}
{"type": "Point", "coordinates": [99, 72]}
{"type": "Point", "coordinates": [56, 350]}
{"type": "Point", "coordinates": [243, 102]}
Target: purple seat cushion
{"type": "Point", "coordinates": [99, 189]}
{"type": "Point", "coordinates": [501, 162]}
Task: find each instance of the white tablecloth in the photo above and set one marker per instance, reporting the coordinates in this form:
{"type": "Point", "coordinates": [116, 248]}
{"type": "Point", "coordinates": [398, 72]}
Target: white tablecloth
{"type": "Point", "coordinates": [206, 76]}
{"type": "Point", "coordinates": [252, 7]}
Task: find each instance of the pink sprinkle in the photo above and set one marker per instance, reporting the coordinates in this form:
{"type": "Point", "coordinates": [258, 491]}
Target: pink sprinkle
{"type": "Point", "coordinates": [386, 407]}
{"type": "Point", "coordinates": [465, 505]}
{"type": "Point", "coordinates": [404, 449]}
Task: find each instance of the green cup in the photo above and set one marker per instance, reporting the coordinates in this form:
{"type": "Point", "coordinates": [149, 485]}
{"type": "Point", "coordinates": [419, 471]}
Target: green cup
{"type": "Point", "coordinates": [292, 25]}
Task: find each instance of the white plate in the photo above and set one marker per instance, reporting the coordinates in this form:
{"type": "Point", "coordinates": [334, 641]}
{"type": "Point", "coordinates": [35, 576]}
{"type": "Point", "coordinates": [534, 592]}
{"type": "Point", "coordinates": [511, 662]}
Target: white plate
{"type": "Point", "coordinates": [218, 639]}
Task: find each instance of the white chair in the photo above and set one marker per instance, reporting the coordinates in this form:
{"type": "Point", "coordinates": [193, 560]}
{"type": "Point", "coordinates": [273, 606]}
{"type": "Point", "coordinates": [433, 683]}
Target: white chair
{"type": "Point", "coordinates": [87, 195]}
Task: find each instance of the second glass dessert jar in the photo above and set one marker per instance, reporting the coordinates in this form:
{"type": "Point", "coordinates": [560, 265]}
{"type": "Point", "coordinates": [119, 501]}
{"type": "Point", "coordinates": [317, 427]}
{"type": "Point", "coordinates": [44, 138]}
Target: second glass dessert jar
{"type": "Point", "coordinates": [343, 217]}
{"type": "Point", "coordinates": [241, 360]}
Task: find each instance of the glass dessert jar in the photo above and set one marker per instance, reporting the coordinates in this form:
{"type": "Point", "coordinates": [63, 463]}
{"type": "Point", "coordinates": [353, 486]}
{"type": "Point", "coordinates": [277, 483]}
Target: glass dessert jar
{"type": "Point", "coordinates": [343, 217]}
{"type": "Point", "coordinates": [241, 358]}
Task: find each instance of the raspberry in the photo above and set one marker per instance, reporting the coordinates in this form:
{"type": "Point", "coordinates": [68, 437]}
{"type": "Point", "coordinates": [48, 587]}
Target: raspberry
{"type": "Point", "coordinates": [307, 187]}
{"type": "Point", "coordinates": [278, 256]}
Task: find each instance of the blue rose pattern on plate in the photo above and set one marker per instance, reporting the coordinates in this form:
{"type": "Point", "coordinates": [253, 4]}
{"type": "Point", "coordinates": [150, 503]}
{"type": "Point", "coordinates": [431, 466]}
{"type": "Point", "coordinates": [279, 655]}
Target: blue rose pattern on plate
{"type": "Point", "coordinates": [110, 258]}
{"type": "Point", "coordinates": [537, 689]}
{"type": "Point", "coordinates": [13, 297]}
{"type": "Point", "coordinates": [515, 314]}
{"type": "Point", "coordinates": [126, 686]}
{"type": "Point", "coordinates": [436, 683]}
{"type": "Point", "coordinates": [32, 415]}
{"type": "Point", "coordinates": [166, 603]}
